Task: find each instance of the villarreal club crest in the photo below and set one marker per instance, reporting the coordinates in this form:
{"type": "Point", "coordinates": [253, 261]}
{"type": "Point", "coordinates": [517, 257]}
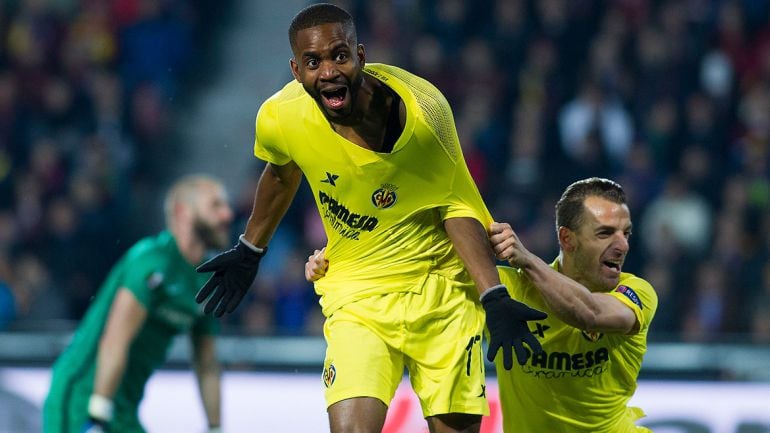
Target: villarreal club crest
{"type": "Point", "coordinates": [385, 196]}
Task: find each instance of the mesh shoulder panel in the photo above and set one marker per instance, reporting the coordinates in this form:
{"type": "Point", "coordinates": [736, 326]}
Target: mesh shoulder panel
{"type": "Point", "coordinates": [434, 107]}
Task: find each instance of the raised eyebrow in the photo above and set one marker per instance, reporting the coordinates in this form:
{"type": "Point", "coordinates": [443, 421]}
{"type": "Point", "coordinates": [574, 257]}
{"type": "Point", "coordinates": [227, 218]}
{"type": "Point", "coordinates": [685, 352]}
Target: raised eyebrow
{"type": "Point", "coordinates": [335, 48]}
{"type": "Point", "coordinates": [310, 54]}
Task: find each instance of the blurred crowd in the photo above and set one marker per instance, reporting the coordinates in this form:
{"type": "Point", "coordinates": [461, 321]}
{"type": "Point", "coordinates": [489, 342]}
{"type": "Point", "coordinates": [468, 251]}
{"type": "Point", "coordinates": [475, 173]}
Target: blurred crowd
{"type": "Point", "coordinates": [671, 98]}
{"type": "Point", "coordinates": [86, 92]}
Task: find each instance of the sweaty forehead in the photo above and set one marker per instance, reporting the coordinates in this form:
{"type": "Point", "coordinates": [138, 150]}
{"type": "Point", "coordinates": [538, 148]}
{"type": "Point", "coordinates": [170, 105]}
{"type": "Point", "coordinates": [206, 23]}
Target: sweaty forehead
{"type": "Point", "coordinates": [600, 211]}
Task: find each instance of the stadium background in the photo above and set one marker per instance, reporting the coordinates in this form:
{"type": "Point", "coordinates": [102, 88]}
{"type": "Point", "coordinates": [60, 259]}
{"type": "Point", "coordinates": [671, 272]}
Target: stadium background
{"type": "Point", "coordinates": [104, 102]}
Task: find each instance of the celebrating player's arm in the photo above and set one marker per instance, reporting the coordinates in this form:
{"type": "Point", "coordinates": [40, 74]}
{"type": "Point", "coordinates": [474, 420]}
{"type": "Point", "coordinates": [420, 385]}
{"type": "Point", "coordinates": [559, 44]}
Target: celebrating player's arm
{"type": "Point", "coordinates": [234, 270]}
{"type": "Point", "coordinates": [506, 318]}
{"type": "Point", "coordinates": [126, 317]}
{"type": "Point", "coordinates": [570, 301]}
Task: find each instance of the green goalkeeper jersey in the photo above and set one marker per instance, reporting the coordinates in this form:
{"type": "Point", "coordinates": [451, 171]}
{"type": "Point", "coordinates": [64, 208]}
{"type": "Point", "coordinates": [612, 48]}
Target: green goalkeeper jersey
{"type": "Point", "coordinates": [582, 381]}
{"type": "Point", "coordinates": [165, 284]}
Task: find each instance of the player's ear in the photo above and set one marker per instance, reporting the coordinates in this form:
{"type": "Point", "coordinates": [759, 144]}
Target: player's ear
{"type": "Point", "coordinates": [294, 69]}
{"type": "Point", "coordinates": [182, 211]}
{"type": "Point", "coordinates": [361, 53]}
{"type": "Point", "coordinates": [566, 239]}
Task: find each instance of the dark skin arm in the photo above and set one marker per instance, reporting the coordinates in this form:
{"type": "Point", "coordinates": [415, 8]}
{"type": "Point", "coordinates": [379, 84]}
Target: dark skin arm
{"type": "Point", "coordinates": [276, 189]}
{"type": "Point", "coordinates": [471, 242]}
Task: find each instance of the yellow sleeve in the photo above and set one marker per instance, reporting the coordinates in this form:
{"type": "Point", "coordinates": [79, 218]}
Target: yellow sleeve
{"type": "Point", "coordinates": [640, 297]}
{"type": "Point", "coordinates": [465, 200]}
{"type": "Point", "coordinates": [269, 143]}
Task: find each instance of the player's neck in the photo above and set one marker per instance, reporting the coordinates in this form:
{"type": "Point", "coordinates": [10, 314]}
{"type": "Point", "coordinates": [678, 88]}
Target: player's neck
{"type": "Point", "coordinates": [372, 123]}
{"type": "Point", "coordinates": [189, 246]}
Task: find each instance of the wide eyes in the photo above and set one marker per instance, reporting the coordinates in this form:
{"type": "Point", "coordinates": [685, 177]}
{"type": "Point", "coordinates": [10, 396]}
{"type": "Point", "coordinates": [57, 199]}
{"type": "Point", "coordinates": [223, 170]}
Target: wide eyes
{"type": "Point", "coordinates": [315, 62]}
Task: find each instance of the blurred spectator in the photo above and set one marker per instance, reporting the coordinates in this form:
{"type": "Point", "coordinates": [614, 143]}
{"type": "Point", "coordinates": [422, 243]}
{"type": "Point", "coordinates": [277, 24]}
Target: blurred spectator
{"type": "Point", "coordinates": [679, 215]}
{"type": "Point", "coordinates": [668, 315]}
{"type": "Point", "coordinates": [704, 314]}
{"type": "Point", "coordinates": [596, 130]}
{"type": "Point", "coordinates": [760, 305]}
{"type": "Point", "coordinates": [7, 306]}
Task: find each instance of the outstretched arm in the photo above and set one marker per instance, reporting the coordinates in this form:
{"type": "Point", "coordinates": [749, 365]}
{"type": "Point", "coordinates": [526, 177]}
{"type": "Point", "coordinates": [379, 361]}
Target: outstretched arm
{"type": "Point", "coordinates": [234, 270]}
{"type": "Point", "coordinates": [570, 301]}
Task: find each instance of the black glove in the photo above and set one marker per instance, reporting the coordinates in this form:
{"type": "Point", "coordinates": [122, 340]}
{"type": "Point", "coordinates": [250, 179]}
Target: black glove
{"type": "Point", "coordinates": [94, 426]}
{"type": "Point", "coordinates": [234, 271]}
{"type": "Point", "coordinates": [507, 325]}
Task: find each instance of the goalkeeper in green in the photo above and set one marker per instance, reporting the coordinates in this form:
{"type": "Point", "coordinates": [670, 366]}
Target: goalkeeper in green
{"type": "Point", "coordinates": [146, 300]}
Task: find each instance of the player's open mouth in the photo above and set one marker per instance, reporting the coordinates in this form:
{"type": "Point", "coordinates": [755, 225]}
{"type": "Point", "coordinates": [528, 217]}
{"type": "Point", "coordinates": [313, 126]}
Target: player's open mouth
{"type": "Point", "coordinates": [335, 99]}
{"type": "Point", "coordinates": [614, 266]}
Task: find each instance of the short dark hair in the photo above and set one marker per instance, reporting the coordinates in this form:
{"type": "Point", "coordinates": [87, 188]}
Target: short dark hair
{"type": "Point", "coordinates": [569, 208]}
{"type": "Point", "coordinates": [318, 14]}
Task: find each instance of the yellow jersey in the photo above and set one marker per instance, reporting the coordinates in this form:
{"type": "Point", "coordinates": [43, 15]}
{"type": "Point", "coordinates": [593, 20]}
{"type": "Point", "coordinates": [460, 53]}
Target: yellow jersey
{"type": "Point", "coordinates": [383, 213]}
{"type": "Point", "coordinates": [582, 381]}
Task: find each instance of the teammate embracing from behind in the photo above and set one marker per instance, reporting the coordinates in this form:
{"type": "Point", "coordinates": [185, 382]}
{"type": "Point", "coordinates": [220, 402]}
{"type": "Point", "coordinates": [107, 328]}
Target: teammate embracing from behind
{"type": "Point", "coordinates": [595, 335]}
{"type": "Point", "coordinates": [596, 332]}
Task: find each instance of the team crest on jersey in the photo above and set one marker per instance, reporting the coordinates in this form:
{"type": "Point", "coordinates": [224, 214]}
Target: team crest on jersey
{"type": "Point", "coordinates": [592, 336]}
{"type": "Point", "coordinates": [329, 374]}
{"type": "Point", "coordinates": [385, 196]}
{"type": "Point", "coordinates": [630, 294]}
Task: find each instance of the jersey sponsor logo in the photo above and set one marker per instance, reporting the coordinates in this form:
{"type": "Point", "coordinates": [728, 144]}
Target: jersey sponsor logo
{"type": "Point", "coordinates": [592, 336]}
{"type": "Point", "coordinates": [330, 179]}
{"type": "Point", "coordinates": [385, 196]}
{"type": "Point", "coordinates": [630, 294]}
{"type": "Point", "coordinates": [348, 224]}
{"type": "Point", "coordinates": [329, 374]}
{"type": "Point", "coordinates": [556, 365]}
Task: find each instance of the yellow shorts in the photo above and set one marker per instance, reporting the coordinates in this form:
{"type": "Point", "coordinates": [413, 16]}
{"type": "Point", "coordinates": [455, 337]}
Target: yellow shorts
{"type": "Point", "coordinates": [435, 335]}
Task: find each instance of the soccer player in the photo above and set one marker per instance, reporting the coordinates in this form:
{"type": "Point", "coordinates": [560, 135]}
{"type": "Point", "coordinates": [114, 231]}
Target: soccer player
{"type": "Point", "coordinates": [146, 300]}
{"type": "Point", "coordinates": [405, 226]}
{"type": "Point", "coordinates": [595, 335]}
